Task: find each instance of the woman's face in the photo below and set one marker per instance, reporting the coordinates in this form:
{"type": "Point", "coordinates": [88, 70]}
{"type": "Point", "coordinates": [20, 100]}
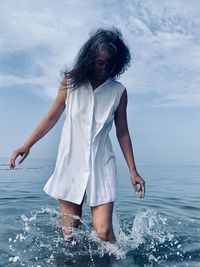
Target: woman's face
{"type": "Point", "coordinates": [103, 66]}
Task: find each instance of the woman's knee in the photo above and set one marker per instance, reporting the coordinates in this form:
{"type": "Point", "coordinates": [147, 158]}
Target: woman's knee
{"type": "Point", "coordinates": [102, 221]}
{"type": "Point", "coordinates": [105, 233]}
{"type": "Point", "coordinates": [69, 218]}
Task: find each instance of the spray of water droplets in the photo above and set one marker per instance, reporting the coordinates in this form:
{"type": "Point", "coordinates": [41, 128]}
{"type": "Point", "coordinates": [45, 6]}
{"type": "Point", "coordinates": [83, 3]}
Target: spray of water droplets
{"type": "Point", "coordinates": [40, 241]}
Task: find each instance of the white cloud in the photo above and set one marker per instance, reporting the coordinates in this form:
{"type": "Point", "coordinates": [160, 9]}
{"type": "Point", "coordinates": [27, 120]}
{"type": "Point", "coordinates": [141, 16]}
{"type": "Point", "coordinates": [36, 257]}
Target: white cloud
{"type": "Point", "coordinates": [53, 34]}
{"type": "Point", "coordinates": [179, 100]}
{"type": "Point", "coordinates": [163, 36]}
{"type": "Point", "coordinates": [166, 39]}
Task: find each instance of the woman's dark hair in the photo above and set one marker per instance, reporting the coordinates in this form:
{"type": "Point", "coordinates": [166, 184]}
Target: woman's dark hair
{"type": "Point", "coordinates": [102, 39]}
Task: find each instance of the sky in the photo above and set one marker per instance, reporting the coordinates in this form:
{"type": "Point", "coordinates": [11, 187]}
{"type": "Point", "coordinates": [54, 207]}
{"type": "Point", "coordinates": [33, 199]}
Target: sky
{"type": "Point", "coordinates": [40, 39]}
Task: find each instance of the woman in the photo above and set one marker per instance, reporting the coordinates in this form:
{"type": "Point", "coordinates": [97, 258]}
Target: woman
{"type": "Point", "coordinates": [86, 165]}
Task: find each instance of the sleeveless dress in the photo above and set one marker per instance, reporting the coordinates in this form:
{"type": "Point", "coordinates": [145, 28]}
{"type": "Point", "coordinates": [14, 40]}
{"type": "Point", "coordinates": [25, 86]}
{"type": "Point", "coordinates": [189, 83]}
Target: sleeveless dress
{"type": "Point", "coordinates": [86, 164]}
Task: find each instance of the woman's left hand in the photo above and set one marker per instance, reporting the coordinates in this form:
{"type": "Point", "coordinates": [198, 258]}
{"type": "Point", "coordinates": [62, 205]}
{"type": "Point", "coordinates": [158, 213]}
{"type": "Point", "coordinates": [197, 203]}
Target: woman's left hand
{"type": "Point", "coordinates": [138, 184]}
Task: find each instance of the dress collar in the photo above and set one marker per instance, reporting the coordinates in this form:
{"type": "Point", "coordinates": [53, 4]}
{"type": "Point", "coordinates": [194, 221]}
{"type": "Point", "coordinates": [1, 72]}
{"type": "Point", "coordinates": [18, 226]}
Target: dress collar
{"type": "Point", "coordinates": [100, 86]}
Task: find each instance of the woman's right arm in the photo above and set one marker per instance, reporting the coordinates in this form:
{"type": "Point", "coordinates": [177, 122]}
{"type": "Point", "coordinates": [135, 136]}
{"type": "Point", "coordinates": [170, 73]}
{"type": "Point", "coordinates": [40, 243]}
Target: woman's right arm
{"type": "Point", "coordinates": [44, 126]}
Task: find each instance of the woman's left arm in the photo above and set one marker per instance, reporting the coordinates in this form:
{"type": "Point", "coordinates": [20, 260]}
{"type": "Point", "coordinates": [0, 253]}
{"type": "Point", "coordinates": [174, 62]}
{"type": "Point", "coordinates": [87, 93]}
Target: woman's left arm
{"type": "Point", "coordinates": [124, 139]}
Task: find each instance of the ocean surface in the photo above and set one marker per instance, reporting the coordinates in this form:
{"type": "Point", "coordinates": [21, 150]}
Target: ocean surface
{"type": "Point", "coordinates": [161, 230]}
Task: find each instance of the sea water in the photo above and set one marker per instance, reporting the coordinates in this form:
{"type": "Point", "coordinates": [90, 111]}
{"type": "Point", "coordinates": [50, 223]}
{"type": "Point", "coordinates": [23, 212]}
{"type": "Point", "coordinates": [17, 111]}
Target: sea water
{"type": "Point", "coordinates": [161, 230]}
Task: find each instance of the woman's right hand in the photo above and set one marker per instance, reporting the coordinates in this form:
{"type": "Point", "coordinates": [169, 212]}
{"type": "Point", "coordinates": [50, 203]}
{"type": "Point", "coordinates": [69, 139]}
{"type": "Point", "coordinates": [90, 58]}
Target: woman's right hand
{"type": "Point", "coordinates": [23, 152]}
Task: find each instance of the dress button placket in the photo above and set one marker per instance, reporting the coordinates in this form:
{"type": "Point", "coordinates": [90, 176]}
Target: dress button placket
{"type": "Point", "coordinates": [90, 121]}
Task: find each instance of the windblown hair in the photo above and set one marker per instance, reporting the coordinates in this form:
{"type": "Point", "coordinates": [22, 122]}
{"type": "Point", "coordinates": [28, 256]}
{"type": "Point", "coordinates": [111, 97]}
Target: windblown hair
{"type": "Point", "coordinates": [102, 39]}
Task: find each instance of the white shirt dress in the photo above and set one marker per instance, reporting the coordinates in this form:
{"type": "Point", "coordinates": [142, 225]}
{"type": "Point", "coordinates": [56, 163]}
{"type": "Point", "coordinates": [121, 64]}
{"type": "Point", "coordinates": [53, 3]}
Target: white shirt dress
{"type": "Point", "coordinates": [86, 164]}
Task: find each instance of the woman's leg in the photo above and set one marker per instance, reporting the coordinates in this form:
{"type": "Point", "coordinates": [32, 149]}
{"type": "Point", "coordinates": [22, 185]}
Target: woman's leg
{"type": "Point", "coordinates": [102, 221]}
{"type": "Point", "coordinates": [68, 222]}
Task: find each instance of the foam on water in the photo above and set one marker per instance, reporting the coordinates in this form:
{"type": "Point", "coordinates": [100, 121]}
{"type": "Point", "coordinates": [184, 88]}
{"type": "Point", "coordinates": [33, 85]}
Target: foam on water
{"type": "Point", "coordinates": [39, 240]}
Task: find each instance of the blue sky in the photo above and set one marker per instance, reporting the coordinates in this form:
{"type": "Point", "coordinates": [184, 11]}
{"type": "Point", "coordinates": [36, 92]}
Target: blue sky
{"type": "Point", "coordinates": [38, 39]}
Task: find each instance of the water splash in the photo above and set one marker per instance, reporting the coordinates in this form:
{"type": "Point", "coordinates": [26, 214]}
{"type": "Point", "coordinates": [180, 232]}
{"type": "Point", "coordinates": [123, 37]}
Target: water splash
{"type": "Point", "coordinates": [151, 235]}
{"type": "Point", "coordinates": [40, 241]}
